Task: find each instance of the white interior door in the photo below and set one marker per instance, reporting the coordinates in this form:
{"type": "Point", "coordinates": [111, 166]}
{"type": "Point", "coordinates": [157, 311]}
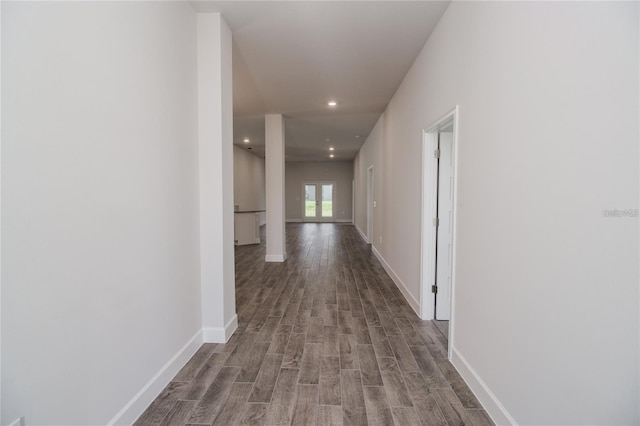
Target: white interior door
{"type": "Point", "coordinates": [445, 222]}
{"type": "Point", "coordinates": [319, 202]}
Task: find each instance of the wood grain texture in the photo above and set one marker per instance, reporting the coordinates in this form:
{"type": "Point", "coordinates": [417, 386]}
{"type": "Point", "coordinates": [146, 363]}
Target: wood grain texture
{"type": "Point", "coordinates": [254, 415]}
{"type": "Point", "coordinates": [324, 338]}
{"type": "Point", "coordinates": [429, 412]}
{"type": "Point", "coordinates": [233, 407]}
{"type": "Point", "coordinates": [306, 407]}
{"type": "Point", "coordinates": [211, 402]}
{"type": "Point", "coordinates": [378, 410]}
{"type": "Point", "coordinates": [266, 379]}
{"type": "Point", "coordinates": [452, 410]}
{"type": "Point", "coordinates": [369, 366]}
{"type": "Point", "coordinates": [405, 416]}
{"type": "Point", "coordinates": [279, 412]}
{"type": "Point", "coordinates": [180, 413]}
{"type": "Point", "coordinates": [329, 415]}
{"type": "Point", "coordinates": [353, 408]}
{"type": "Point", "coordinates": [397, 392]}
{"type": "Point", "coordinates": [311, 362]}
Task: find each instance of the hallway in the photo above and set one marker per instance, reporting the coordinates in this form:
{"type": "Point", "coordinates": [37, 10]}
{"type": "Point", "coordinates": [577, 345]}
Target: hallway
{"type": "Point", "coordinates": [324, 338]}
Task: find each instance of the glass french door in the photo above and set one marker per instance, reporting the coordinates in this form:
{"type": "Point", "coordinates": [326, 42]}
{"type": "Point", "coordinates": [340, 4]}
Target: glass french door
{"type": "Point", "coordinates": [319, 205]}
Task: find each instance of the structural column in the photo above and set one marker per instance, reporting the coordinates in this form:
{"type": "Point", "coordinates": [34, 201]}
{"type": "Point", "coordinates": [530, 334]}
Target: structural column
{"type": "Point", "coordinates": [215, 140]}
{"type": "Point", "coordinates": [274, 170]}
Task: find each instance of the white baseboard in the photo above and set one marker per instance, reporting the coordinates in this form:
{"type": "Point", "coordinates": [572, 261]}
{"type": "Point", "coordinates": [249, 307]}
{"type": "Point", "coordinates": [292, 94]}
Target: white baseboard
{"type": "Point", "coordinates": [364, 237]}
{"type": "Point", "coordinates": [415, 305]}
{"type": "Point", "coordinates": [344, 220]}
{"type": "Point", "coordinates": [489, 401]}
{"type": "Point", "coordinates": [136, 406]}
{"type": "Point", "coordinates": [293, 220]}
{"type": "Point", "coordinates": [219, 334]}
{"type": "Point", "coordinates": [275, 258]}
{"type": "Point", "coordinates": [17, 422]}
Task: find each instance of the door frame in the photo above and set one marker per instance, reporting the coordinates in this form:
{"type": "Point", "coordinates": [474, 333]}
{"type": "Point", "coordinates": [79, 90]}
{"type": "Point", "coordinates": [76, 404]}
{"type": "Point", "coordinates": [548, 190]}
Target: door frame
{"type": "Point", "coordinates": [429, 212]}
{"type": "Point", "coordinates": [370, 204]}
{"type": "Point", "coordinates": [333, 205]}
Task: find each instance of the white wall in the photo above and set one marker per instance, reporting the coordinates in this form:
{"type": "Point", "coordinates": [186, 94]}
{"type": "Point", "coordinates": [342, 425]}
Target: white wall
{"type": "Point", "coordinates": [215, 152]}
{"type": "Point", "coordinates": [340, 172]}
{"type": "Point", "coordinates": [248, 181]}
{"type": "Point", "coordinates": [369, 155]}
{"type": "Point", "coordinates": [100, 269]}
{"type": "Point", "coordinates": [546, 298]}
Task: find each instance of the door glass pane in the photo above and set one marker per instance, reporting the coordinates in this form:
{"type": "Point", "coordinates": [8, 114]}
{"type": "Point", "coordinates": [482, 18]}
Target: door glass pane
{"type": "Point", "coordinates": [327, 200]}
{"type": "Point", "coordinates": [309, 201]}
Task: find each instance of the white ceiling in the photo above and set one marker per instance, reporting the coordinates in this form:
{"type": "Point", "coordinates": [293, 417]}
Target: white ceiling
{"type": "Point", "coordinates": [293, 57]}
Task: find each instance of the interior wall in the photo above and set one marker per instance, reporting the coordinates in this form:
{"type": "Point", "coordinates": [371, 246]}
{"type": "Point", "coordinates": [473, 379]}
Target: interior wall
{"type": "Point", "coordinates": [100, 260]}
{"type": "Point", "coordinates": [249, 181]}
{"type": "Point", "coordinates": [546, 285]}
{"type": "Point", "coordinates": [340, 172]}
{"type": "Point", "coordinates": [369, 155]}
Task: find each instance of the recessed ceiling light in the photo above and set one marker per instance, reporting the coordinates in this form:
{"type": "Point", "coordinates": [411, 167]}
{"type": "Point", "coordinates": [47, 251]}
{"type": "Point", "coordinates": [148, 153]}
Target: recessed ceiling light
{"type": "Point", "coordinates": [331, 156]}
{"type": "Point", "coordinates": [332, 103]}
{"type": "Point", "coordinates": [246, 140]}
{"type": "Point", "coordinates": [331, 148]}
{"type": "Point", "coordinates": [357, 136]}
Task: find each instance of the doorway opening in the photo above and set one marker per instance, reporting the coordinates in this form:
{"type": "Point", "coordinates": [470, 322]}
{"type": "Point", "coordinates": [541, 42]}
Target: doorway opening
{"type": "Point", "coordinates": [318, 202]}
{"type": "Point", "coordinates": [370, 205]}
{"type": "Point", "coordinates": [438, 223]}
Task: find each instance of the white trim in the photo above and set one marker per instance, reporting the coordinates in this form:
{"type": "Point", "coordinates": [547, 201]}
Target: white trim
{"type": "Point", "coordinates": [489, 401]}
{"type": "Point", "coordinates": [17, 422]}
{"type": "Point", "coordinates": [334, 198]}
{"type": "Point", "coordinates": [428, 230]}
{"type": "Point", "coordinates": [293, 220]}
{"type": "Point", "coordinates": [219, 334]}
{"type": "Point", "coordinates": [369, 203]}
{"type": "Point", "coordinates": [415, 305]}
{"type": "Point", "coordinates": [429, 205]}
{"type": "Point", "coordinates": [364, 237]}
{"type": "Point", "coordinates": [275, 258]}
{"type": "Point", "coordinates": [344, 220]}
{"type": "Point", "coordinates": [136, 406]}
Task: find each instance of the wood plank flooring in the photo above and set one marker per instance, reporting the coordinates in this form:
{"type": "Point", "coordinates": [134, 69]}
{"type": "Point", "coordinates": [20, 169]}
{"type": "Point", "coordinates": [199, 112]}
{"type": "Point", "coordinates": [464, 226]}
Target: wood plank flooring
{"type": "Point", "coordinates": [325, 338]}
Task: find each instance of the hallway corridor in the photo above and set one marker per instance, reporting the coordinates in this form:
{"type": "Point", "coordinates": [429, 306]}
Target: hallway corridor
{"type": "Point", "coordinates": [325, 338]}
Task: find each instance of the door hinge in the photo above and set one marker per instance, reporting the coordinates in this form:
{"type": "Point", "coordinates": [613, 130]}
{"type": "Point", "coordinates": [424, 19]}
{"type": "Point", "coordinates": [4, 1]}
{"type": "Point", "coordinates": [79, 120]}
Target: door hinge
{"type": "Point", "coordinates": [434, 289]}
{"type": "Point", "coordinates": [436, 153]}
{"type": "Point", "coordinates": [436, 221]}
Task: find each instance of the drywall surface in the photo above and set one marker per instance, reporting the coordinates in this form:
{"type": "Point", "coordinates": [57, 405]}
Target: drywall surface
{"type": "Point", "coordinates": [546, 284]}
{"type": "Point", "coordinates": [248, 181]}
{"type": "Point", "coordinates": [275, 185]}
{"type": "Point", "coordinates": [298, 172]}
{"type": "Point", "coordinates": [100, 260]}
{"type": "Point", "coordinates": [215, 152]}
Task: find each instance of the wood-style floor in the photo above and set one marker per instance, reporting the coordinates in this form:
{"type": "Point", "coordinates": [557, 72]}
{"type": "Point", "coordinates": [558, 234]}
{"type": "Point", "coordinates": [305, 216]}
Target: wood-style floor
{"type": "Point", "coordinates": [325, 338]}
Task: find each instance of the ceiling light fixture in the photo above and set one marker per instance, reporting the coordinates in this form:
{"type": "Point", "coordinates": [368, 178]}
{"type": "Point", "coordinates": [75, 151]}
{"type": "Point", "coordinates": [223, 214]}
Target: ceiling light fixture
{"type": "Point", "coordinates": [357, 136]}
{"type": "Point", "coordinates": [331, 148]}
{"type": "Point", "coordinates": [332, 103]}
{"type": "Point", "coordinates": [246, 140]}
{"type": "Point", "coordinates": [331, 156]}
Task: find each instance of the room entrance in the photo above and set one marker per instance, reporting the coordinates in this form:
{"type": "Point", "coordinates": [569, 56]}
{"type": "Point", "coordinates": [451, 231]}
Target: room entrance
{"type": "Point", "coordinates": [438, 223]}
{"type": "Point", "coordinates": [318, 201]}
